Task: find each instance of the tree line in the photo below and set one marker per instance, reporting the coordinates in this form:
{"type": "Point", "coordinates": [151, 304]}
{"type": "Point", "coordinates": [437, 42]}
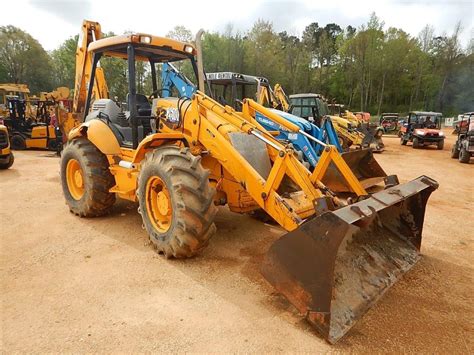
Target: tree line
{"type": "Point", "coordinates": [369, 68]}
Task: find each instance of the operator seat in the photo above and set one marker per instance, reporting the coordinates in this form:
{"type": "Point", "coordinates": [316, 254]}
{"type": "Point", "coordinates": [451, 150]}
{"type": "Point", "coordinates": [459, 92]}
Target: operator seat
{"type": "Point", "coordinates": [143, 105]}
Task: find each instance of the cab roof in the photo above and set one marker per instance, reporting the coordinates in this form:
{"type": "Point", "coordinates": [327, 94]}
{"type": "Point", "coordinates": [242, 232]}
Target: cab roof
{"type": "Point", "coordinates": [227, 78]}
{"type": "Point", "coordinates": [147, 47]}
{"type": "Point", "coordinates": [426, 113]}
{"type": "Point", "coordinates": [302, 96]}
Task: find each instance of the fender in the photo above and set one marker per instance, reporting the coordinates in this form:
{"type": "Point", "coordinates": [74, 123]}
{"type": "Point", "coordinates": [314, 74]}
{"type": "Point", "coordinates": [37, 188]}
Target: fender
{"type": "Point", "coordinates": [153, 141]}
{"type": "Point", "coordinates": [99, 134]}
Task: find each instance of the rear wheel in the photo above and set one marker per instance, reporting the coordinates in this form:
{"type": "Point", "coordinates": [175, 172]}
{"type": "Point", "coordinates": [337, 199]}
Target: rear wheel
{"type": "Point", "coordinates": [52, 144]}
{"type": "Point", "coordinates": [464, 156]}
{"type": "Point", "coordinates": [455, 151]}
{"type": "Point", "coordinates": [18, 142]}
{"type": "Point", "coordinates": [8, 164]}
{"type": "Point", "coordinates": [440, 145]}
{"type": "Point", "coordinates": [86, 179]}
{"type": "Point", "coordinates": [416, 143]}
{"type": "Point", "coordinates": [176, 201]}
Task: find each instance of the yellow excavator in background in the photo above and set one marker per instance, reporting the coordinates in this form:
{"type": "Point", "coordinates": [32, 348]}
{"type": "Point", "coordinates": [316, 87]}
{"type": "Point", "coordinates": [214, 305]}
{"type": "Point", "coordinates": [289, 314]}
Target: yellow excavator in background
{"type": "Point", "coordinates": [275, 98]}
{"type": "Point", "coordinates": [180, 157]}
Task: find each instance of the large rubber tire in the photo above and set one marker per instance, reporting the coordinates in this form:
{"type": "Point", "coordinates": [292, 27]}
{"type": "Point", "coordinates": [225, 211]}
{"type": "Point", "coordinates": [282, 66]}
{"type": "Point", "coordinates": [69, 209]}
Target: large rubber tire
{"type": "Point", "coordinates": [53, 145]}
{"type": "Point", "coordinates": [9, 163]}
{"type": "Point", "coordinates": [464, 156]}
{"type": "Point", "coordinates": [455, 151]}
{"type": "Point", "coordinates": [416, 143]}
{"type": "Point", "coordinates": [17, 142]}
{"type": "Point", "coordinates": [96, 199]}
{"type": "Point", "coordinates": [440, 145]}
{"type": "Point", "coordinates": [190, 201]}
{"type": "Point", "coordinates": [403, 141]}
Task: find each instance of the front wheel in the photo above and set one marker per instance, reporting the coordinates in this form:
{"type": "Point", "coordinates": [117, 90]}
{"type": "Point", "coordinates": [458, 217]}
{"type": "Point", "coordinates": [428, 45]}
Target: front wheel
{"type": "Point", "coordinates": [455, 151]}
{"type": "Point", "coordinates": [403, 141]}
{"type": "Point", "coordinates": [464, 156]}
{"type": "Point", "coordinates": [416, 143]}
{"type": "Point", "coordinates": [9, 163]}
{"type": "Point", "coordinates": [440, 145]}
{"type": "Point", "coordinates": [176, 201]}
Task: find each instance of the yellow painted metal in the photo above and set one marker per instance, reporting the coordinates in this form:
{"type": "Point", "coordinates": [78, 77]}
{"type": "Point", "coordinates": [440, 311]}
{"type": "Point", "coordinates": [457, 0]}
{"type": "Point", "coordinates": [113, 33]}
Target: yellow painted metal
{"type": "Point", "coordinates": [153, 141]}
{"type": "Point", "coordinates": [343, 129]}
{"type": "Point", "coordinates": [281, 97]}
{"type": "Point", "coordinates": [158, 204]}
{"type": "Point", "coordinates": [75, 179]}
{"type": "Point", "coordinates": [99, 134]}
{"type": "Point", "coordinates": [168, 45]}
{"type": "Point", "coordinates": [6, 150]}
{"type": "Point", "coordinates": [330, 154]}
{"type": "Point", "coordinates": [90, 32]}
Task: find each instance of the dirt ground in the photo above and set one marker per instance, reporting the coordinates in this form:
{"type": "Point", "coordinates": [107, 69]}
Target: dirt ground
{"type": "Point", "coordinates": [95, 285]}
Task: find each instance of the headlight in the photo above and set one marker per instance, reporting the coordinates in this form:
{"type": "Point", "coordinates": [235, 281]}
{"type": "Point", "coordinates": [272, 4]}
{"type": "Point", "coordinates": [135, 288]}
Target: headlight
{"type": "Point", "coordinates": [421, 133]}
{"type": "Point", "coordinates": [172, 115]}
{"type": "Point", "coordinates": [145, 39]}
{"type": "Point", "coordinates": [189, 49]}
{"type": "Point", "coordinates": [441, 133]}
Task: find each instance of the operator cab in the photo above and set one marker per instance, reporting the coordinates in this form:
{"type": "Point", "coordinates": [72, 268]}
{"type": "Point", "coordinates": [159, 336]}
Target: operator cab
{"type": "Point", "coordinates": [135, 118]}
{"type": "Point", "coordinates": [230, 88]}
{"type": "Point", "coordinates": [312, 107]}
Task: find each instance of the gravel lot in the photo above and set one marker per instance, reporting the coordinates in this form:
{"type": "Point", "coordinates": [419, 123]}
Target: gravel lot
{"type": "Point", "coordinates": [95, 285]}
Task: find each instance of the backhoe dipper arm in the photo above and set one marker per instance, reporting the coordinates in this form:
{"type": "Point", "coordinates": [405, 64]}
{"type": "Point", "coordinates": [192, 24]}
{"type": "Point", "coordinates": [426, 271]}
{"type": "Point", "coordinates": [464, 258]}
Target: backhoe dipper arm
{"type": "Point", "coordinates": [172, 77]}
{"type": "Point", "coordinates": [281, 97]}
{"type": "Point", "coordinates": [90, 32]}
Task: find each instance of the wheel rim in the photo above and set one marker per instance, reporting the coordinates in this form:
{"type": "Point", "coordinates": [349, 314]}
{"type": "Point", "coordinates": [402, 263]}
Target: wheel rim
{"type": "Point", "coordinates": [158, 204]}
{"type": "Point", "coordinates": [75, 179]}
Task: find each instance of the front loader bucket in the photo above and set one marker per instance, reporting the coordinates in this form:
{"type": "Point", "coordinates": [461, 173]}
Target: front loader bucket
{"type": "Point", "coordinates": [335, 266]}
{"type": "Point", "coordinates": [363, 165]}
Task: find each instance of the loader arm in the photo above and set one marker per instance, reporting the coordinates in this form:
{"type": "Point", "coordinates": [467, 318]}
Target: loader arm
{"type": "Point", "coordinates": [214, 131]}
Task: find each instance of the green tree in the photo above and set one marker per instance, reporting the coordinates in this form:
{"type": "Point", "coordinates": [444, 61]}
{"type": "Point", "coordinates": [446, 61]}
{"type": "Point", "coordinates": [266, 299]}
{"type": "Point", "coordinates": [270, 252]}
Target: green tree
{"type": "Point", "coordinates": [23, 60]}
{"type": "Point", "coordinates": [64, 62]}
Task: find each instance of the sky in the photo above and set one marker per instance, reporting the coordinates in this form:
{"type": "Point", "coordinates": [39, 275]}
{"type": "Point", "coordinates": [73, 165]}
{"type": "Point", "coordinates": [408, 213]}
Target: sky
{"type": "Point", "coordinates": [53, 21]}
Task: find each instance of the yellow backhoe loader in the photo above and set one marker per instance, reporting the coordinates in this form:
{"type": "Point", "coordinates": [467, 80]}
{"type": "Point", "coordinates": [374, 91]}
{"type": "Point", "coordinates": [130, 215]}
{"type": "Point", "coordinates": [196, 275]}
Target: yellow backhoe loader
{"type": "Point", "coordinates": [179, 158]}
{"type": "Point", "coordinates": [275, 98]}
